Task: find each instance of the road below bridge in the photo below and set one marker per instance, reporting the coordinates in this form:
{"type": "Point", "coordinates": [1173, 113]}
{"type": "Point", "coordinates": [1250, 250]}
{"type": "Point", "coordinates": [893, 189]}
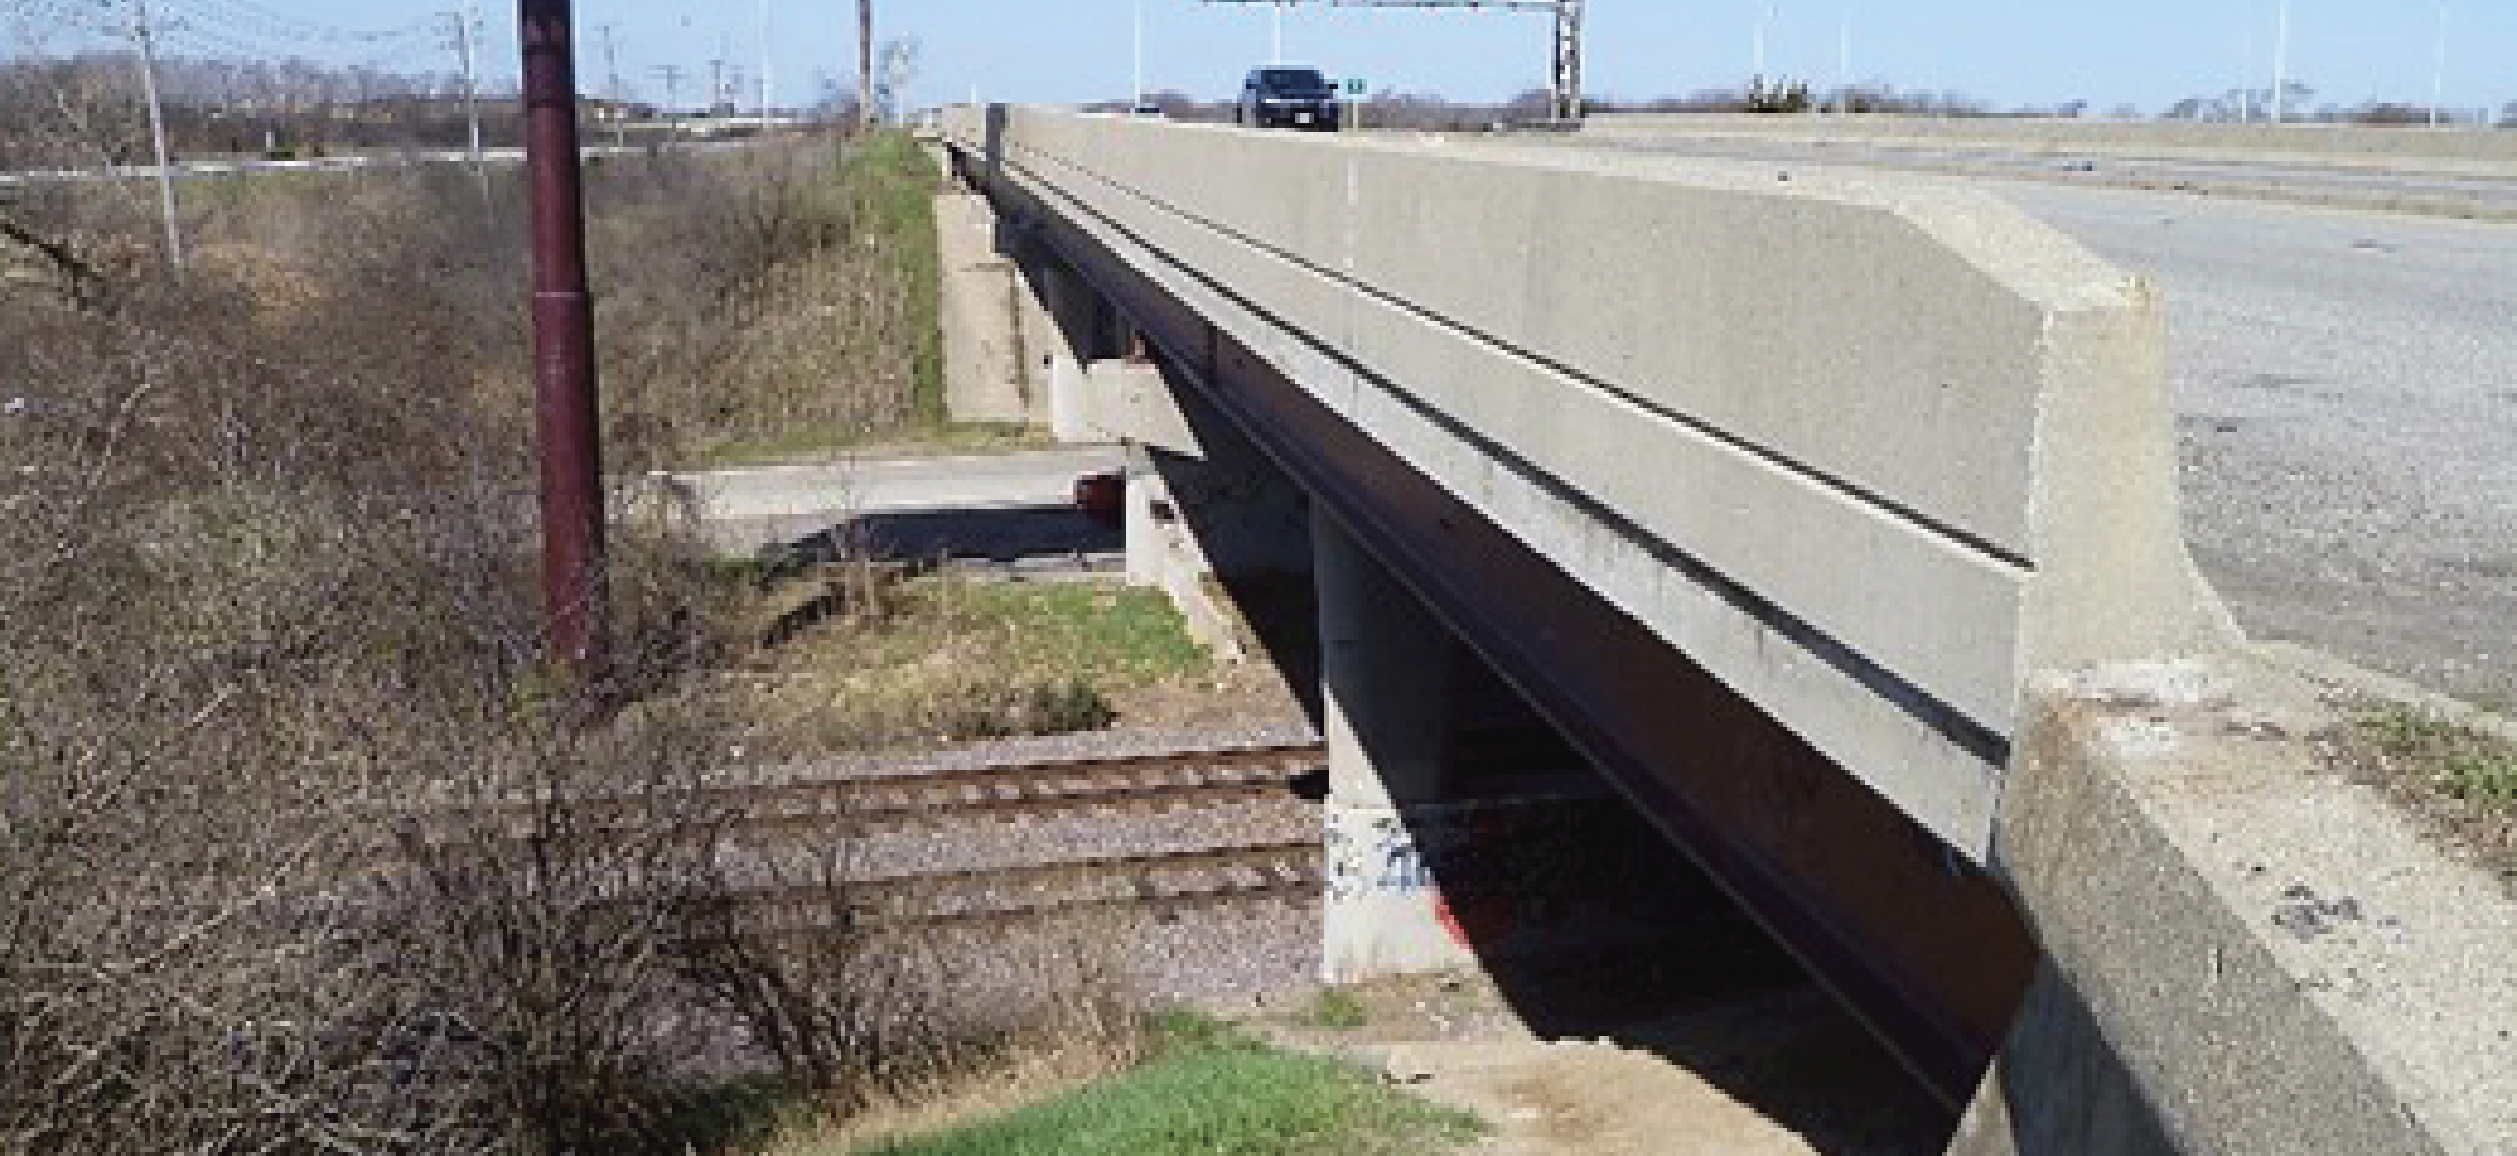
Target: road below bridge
{"type": "Point", "coordinates": [2346, 391]}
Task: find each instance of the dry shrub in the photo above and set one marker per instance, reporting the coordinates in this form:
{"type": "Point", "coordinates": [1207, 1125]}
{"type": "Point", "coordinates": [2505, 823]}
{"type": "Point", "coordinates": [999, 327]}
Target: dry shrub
{"type": "Point", "coordinates": [778, 309]}
{"type": "Point", "coordinates": [267, 591]}
{"type": "Point", "coordinates": [871, 1018]}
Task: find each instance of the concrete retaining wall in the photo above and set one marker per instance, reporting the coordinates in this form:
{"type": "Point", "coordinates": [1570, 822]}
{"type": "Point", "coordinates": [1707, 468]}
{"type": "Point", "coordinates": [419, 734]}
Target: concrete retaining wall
{"type": "Point", "coordinates": [1870, 454]}
{"type": "Point", "coordinates": [2460, 150]}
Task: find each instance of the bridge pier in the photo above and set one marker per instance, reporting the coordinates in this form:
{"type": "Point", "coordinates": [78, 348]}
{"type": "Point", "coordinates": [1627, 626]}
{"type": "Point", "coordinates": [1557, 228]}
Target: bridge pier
{"type": "Point", "coordinates": [1386, 668]}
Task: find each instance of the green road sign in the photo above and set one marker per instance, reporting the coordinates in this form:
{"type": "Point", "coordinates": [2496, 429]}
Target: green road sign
{"type": "Point", "coordinates": [1354, 86]}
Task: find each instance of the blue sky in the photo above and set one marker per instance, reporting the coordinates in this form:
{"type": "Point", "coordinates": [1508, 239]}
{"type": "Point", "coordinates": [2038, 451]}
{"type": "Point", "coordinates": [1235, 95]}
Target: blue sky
{"type": "Point", "coordinates": [2010, 52]}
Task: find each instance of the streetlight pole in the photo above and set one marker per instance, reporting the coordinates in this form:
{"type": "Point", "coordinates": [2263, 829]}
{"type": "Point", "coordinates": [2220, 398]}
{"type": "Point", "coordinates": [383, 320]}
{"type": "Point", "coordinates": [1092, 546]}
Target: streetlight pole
{"type": "Point", "coordinates": [2438, 67]}
{"type": "Point", "coordinates": [1276, 49]}
{"type": "Point", "coordinates": [1765, 20]}
{"type": "Point", "coordinates": [567, 418]}
{"type": "Point", "coordinates": [2281, 65]}
{"type": "Point", "coordinates": [1137, 99]}
{"type": "Point", "coordinates": [1844, 62]}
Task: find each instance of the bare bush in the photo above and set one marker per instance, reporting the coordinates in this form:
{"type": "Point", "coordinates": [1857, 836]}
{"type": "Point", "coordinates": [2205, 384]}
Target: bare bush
{"type": "Point", "coordinates": [267, 588]}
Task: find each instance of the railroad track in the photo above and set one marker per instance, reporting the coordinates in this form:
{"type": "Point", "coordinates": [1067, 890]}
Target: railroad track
{"type": "Point", "coordinates": [759, 815]}
{"type": "Point", "coordinates": [1162, 883]}
{"type": "Point", "coordinates": [867, 802]}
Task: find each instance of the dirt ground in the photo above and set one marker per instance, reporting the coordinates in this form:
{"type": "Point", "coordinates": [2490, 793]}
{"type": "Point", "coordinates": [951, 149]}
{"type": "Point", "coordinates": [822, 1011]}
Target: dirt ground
{"type": "Point", "coordinates": [1757, 1064]}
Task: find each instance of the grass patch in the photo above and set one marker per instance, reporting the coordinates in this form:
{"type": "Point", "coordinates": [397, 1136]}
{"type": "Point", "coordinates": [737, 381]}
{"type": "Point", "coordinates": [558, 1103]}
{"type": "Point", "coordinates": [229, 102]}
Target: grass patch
{"type": "Point", "coordinates": [878, 664]}
{"type": "Point", "coordinates": [810, 444]}
{"type": "Point", "coordinates": [2458, 781]}
{"type": "Point", "coordinates": [1336, 1009]}
{"type": "Point", "coordinates": [1209, 1090]}
{"type": "Point", "coordinates": [894, 184]}
{"type": "Point", "coordinates": [2461, 762]}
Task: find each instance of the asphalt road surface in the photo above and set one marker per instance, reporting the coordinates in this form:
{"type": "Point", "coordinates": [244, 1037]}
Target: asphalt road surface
{"type": "Point", "coordinates": [2356, 182]}
{"type": "Point", "coordinates": [2346, 396]}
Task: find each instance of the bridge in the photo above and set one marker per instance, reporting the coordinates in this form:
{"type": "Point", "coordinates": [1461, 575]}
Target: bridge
{"type": "Point", "coordinates": [1832, 518]}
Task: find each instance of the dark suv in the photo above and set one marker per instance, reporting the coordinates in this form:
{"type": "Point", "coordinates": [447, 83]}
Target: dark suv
{"type": "Point", "coordinates": [1290, 96]}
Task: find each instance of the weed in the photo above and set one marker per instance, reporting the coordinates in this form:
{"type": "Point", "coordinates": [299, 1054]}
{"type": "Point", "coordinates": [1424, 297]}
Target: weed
{"type": "Point", "coordinates": [949, 659]}
{"type": "Point", "coordinates": [1337, 1009]}
{"type": "Point", "coordinates": [2461, 762]}
{"type": "Point", "coordinates": [1210, 1090]}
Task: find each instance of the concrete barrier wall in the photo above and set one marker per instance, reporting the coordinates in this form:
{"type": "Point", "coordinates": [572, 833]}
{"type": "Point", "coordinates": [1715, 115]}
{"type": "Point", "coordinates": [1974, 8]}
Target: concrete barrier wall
{"type": "Point", "coordinates": [1870, 454]}
{"type": "Point", "coordinates": [2419, 149]}
{"type": "Point", "coordinates": [2244, 957]}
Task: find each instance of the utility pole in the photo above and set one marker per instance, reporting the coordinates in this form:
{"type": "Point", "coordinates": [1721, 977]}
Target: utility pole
{"type": "Point", "coordinates": [671, 74]}
{"type": "Point", "coordinates": [567, 415]}
{"type": "Point", "coordinates": [157, 133]}
{"type": "Point", "coordinates": [2281, 66]}
{"type": "Point", "coordinates": [1765, 21]}
{"type": "Point", "coordinates": [1844, 63]}
{"type": "Point", "coordinates": [764, 65]}
{"type": "Point", "coordinates": [2438, 66]}
{"type": "Point", "coordinates": [465, 24]}
{"type": "Point", "coordinates": [865, 64]}
{"type": "Point", "coordinates": [618, 93]}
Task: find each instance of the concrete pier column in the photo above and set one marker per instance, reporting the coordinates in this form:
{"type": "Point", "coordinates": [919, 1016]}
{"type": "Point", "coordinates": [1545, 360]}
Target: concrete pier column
{"type": "Point", "coordinates": [1386, 667]}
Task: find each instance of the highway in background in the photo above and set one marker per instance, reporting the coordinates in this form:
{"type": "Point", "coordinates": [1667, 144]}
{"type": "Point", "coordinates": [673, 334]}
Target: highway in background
{"type": "Point", "coordinates": [2346, 392]}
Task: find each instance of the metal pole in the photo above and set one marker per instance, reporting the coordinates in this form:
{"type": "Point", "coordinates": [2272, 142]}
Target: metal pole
{"type": "Point", "coordinates": [1567, 81]}
{"type": "Point", "coordinates": [1276, 50]}
{"type": "Point", "coordinates": [865, 64]}
{"type": "Point", "coordinates": [1137, 100]}
{"type": "Point", "coordinates": [157, 134]}
{"type": "Point", "coordinates": [764, 65]}
{"type": "Point", "coordinates": [1844, 63]}
{"type": "Point", "coordinates": [566, 407]}
{"type": "Point", "coordinates": [2438, 67]}
{"type": "Point", "coordinates": [671, 75]}
{"type": "Point", "coordinates": [1765, 20]}
{"type": "Point", "coordinates": [619, 94]}
{"type": "Point", "coordinates": [2246, 81]}
{"type": "Point", "coordinates": [2281, 66]}
{"type": "Point", "coordinates": [463, 25]}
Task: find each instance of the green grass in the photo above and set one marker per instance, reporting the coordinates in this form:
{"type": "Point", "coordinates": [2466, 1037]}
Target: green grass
{"type": "Point", "coordinates": [1112, 635]}
{"type": "Point", "coordinates": [947, 659]}
{"type": "Point", "coordinates": [2457, 760]}
{"type": "Point", "coordinates": [943, 437]}
{"type": "Point", "coordinates": [1210, 1091]}
{"type": "Point", "coordinates": [1337, 1009]}
{"type": "Point", "coordinates": [894, 183]}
